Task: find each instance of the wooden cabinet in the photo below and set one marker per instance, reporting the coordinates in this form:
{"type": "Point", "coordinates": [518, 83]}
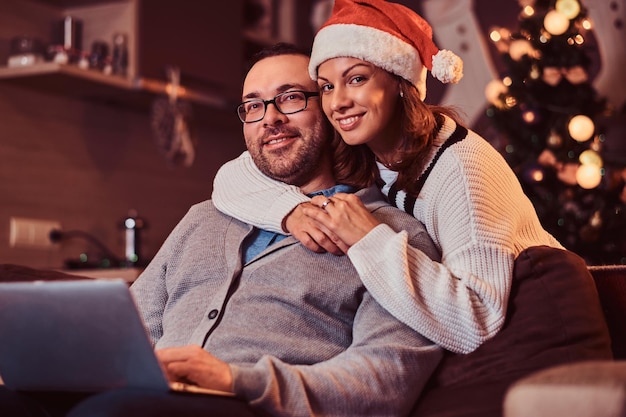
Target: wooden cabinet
{"type": "Point", "coordinates": [269, 21]}
{"type": "Point", "coordinates": [201, 38]}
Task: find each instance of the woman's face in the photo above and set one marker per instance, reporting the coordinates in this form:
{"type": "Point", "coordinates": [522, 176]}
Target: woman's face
{"type": "Point", "coordinates": [360, 101]}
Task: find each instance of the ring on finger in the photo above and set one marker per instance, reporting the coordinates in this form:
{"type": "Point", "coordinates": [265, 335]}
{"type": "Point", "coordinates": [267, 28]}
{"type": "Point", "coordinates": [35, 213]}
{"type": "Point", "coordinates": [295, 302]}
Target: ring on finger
{"type": "Point", "coordinates": [325, 203]}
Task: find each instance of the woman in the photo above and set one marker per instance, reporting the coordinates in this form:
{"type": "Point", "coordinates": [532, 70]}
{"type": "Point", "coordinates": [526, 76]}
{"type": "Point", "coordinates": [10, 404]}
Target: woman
{"type": "Point", "coordinates": [370, 60]}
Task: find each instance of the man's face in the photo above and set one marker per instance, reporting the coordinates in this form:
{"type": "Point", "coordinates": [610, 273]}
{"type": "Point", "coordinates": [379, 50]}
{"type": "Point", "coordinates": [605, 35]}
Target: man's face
{"type": "Point", "coordinates": [291, 148]}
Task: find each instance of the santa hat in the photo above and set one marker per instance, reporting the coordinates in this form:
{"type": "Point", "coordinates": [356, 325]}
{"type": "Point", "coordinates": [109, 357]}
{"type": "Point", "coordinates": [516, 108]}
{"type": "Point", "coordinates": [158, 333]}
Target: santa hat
{"type": "Point", "coordinates": [388, 35]}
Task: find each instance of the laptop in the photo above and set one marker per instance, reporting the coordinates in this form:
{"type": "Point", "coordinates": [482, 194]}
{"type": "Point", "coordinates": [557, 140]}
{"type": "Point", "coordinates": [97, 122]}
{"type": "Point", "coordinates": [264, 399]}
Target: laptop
{"type": "Point", "coordinates": [79, 336]}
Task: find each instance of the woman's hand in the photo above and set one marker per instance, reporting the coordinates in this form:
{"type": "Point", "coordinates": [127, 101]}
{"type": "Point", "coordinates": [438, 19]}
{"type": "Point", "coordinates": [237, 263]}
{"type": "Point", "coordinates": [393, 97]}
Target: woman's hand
{"type": "Point", "coordinates": [343, 218]}
{"type": "Point", "coordinates": [192, 364]}
{"type": "Point", "coordinates": [309, 232]}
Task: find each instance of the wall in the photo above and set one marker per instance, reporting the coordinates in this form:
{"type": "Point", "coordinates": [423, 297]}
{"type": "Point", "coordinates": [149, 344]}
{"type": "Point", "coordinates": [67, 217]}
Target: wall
{"type": "Point", "coordinates": [86, 164]}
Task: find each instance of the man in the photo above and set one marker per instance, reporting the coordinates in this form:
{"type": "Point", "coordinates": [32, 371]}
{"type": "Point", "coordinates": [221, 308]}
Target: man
{"type": "Point", "coordinates": [288, 331]}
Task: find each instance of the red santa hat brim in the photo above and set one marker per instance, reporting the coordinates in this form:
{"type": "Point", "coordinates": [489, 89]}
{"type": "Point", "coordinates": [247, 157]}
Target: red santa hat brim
{"type": "Point", "coordinates": [388, 35]}
{"type": "Point", "coordinates": [369, 44]}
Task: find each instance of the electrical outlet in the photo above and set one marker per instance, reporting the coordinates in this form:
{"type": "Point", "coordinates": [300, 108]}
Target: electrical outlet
{"type": "Point", "coordinates": [31, 233]}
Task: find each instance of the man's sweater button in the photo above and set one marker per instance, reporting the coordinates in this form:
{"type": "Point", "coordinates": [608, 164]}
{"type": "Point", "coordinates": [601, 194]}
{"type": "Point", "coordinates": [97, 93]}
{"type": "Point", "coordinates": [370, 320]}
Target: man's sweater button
{"type": "Point", "coordinates": [213, 314]}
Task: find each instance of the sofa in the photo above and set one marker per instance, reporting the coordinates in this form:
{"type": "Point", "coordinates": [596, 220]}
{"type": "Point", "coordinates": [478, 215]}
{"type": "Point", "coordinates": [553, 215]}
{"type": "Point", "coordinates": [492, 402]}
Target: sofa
{"type": "Point", "coordinates": [567, 327]}
{"type": "Point", "coordinates": [563, 339]}
{"type": "Point", "coordinates": [595, 388]}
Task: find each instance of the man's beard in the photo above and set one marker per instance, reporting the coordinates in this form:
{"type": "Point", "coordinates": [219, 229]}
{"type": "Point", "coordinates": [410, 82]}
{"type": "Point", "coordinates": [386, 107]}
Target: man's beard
{"type": "Point", "coordinates": [296, 164]}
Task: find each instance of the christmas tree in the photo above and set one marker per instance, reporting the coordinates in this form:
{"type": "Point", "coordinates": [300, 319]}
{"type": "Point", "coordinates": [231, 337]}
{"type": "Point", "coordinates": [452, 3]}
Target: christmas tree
{"type": "Point", "coordinates": [562, 140]}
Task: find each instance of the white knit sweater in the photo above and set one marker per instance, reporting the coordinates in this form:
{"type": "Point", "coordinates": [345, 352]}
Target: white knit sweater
{"type": "Point", "coordinates": [474, 210]}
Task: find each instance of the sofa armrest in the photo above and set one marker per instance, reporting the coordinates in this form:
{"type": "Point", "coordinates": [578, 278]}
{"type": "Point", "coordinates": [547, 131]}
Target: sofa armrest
{"type": "Point", "coordinates": [13, 273]}
{"type": "Point", "coordinates": [610, 282]}
{"type": "Point", "coordinates": [583, 389]}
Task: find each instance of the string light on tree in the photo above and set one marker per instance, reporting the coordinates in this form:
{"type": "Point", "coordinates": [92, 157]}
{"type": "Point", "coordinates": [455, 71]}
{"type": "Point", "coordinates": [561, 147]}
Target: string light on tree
{"type": "Point", "coordinates": [520, 47]}
{"type": "Point", "coordinates": [588, 176]}
{"type": "Point", "coordinates": [568, 8]}
{"type": "Point", "coordinates": [554, 128]}
{"type": "Point", "coordinates": [581, 128]}
{"type": "Point", "coordinates": [590, 157]}
{"type": "Point", "coordinates": [555, 23]}
{"type": "Point", "coordinates": [494, 91]}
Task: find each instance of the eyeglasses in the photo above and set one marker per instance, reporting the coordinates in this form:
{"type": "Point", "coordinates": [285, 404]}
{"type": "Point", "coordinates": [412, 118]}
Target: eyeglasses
{"type": "Point", "coordinates": [287, 103]}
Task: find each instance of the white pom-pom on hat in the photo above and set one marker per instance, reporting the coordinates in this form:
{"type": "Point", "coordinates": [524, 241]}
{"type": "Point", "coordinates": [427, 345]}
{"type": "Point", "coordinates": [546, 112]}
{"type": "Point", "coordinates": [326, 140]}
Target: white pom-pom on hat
{"type": "Point", "coordinates": [388, 35]}
{"type": "Point", "coordinates": [447, 67]}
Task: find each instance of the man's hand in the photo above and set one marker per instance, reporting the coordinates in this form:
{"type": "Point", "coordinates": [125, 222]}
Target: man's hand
{"type": "Point", "coordinates": [312, 234]}
{"type": "Point", "coordinates": [192, 364]}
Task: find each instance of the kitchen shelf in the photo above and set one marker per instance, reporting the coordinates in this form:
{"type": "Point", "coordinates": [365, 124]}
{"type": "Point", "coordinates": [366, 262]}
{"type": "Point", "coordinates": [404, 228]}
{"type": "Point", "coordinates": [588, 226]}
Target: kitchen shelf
{"type": "Point", "coordinates": [68, 79]}
{"type": "Point", "coordinates": [160, 34]}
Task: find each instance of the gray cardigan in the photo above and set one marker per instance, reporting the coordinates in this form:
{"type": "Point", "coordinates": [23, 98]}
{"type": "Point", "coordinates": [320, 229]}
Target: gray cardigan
{"type": "Point", "coordinates": [302, 334]}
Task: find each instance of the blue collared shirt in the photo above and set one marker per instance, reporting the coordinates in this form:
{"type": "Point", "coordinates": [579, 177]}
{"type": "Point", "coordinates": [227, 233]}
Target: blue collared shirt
{"type": "Point", "coordinates": [262, 239]}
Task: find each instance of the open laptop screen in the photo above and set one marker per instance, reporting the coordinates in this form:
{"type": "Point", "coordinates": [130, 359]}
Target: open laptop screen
{"type": "Point", "coordinates": [74, 336]}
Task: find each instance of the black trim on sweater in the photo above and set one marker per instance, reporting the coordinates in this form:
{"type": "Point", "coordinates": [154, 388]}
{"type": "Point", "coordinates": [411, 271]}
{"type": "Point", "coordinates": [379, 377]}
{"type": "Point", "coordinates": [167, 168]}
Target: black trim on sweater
{"type": "Point", "coordinates": [458, 135]}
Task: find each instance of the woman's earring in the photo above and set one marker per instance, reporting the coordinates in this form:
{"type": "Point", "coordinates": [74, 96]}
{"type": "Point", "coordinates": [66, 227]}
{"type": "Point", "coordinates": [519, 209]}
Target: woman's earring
{"type": "Point", "coordinates": [401, 94]}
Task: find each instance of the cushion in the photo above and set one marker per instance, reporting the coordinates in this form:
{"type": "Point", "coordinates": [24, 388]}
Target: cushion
{"type": "Point", "coordinates": [584, 389]}
{"type": "Point", "coordinates": [553, 317]}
